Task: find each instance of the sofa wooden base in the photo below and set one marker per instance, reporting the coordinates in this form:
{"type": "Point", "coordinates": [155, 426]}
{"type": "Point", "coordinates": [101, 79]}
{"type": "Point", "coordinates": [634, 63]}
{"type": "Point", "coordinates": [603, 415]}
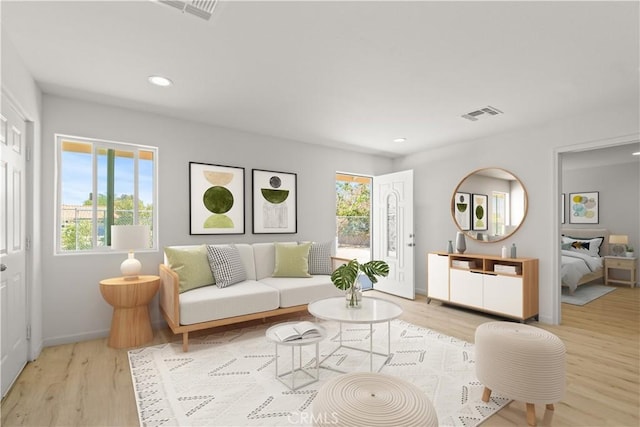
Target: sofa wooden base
{"type": "Point", "coordinates": [185, 329]}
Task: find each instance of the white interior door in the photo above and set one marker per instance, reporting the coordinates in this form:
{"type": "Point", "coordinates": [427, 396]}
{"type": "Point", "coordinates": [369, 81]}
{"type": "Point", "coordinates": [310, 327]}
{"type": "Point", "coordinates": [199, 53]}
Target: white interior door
{"type": "Point", "coordinates": [393, 232]}
{"type": "Point", "coordinates": [13, 295]}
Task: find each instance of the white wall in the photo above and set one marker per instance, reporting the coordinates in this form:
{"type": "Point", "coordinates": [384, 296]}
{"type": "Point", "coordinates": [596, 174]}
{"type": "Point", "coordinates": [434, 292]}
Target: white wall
{"type": "Point", "coordinates": [19, 86]}
{"type": "Point", "coordinates": [530, 155]}
{"type": "Point", "coordinates": [74, 308]}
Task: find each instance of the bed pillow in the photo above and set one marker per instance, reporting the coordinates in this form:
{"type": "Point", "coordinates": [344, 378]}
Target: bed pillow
{"type": "Point", "coordinates": [191, 265]}
{"type": "Point", "coordinates": [292, 260]}
{"type": "Point", "coordinates": [589, 246]}
{"type": "Point", "coordinates": [320, 257]}
{"type": "Point", "coordinates": [226, 265]}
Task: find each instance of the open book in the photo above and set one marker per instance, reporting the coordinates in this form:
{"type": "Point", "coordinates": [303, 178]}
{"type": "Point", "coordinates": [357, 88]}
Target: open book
{"type": "Point", "coordinates": [297, 331]}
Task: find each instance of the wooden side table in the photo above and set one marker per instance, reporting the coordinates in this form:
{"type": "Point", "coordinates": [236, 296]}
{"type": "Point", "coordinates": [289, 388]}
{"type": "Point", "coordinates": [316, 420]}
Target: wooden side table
{"type": "Point", "coordinates": [620, 263]}
{"type": "Point", "coordinates": [130, 324]}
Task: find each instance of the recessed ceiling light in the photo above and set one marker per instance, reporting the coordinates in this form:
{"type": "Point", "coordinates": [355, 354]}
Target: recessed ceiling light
{"type": "Point", "coordinates": [400, 140]}
{"type": "Point", "coordinates": [160, 81]}
{"type": "Point", "coordinates": [636, 154]}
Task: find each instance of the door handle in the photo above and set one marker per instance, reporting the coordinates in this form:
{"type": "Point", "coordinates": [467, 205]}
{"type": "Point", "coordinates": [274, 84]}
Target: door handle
{"type": "Point", "coordinates": [3, 267]}
{"type": "Point", "coordinates": [411, 244]}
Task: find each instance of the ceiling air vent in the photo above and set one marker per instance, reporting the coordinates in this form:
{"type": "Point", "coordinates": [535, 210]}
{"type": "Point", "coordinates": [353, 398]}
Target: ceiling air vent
{"type": "Point", "coordinates": [473, 116]}
{"type": "Point", "coordinates": [200, 8]}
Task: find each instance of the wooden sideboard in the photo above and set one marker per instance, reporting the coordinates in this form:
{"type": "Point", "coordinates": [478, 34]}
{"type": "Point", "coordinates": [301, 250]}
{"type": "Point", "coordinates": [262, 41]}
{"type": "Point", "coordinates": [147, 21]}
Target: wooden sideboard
{"type": "Point", "coordinates": [507, 287]}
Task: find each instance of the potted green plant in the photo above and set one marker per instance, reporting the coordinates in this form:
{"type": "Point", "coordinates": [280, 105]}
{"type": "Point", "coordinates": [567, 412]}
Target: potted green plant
{"type": "Point", "coordinates": [629, 251]}
{"type": "Point", "coordinates": [345, 277]}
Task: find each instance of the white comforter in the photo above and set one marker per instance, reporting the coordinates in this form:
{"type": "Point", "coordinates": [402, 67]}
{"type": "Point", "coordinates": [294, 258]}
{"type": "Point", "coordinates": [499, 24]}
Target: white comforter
{"type": "Point", "coordinates": [575, 265]}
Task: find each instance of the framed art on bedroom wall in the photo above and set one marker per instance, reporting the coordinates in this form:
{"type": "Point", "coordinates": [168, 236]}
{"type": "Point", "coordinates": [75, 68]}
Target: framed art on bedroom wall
{"type": "Point", "coordinates": [216, 199]}
{"type": "Point", "coordinates": [584, 208]}
{"type": "Point", "coordinates": [274, 202]}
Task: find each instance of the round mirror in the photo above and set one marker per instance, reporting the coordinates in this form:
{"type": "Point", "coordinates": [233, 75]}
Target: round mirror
{"type": "Point", "coordinates": [489, 204]}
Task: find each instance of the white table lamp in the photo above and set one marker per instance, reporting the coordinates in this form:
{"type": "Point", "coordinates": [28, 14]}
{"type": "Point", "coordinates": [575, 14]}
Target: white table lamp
{"type": "Point", "coordinates": [619, 243]}
{"type": "Point", "coordinates": [130, 238]}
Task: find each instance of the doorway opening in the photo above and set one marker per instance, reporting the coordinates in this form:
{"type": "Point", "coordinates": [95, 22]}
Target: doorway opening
{"type": "Point", "coordinates": [608, 166]}
{"type": "Point", "coordinates": [353, 218]}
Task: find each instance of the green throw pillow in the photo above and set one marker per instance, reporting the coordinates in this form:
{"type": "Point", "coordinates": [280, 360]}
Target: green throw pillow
{"type": "Point", "coordinates": [292, 260]}
{"type": "Point", "coordinates": [191, 265]}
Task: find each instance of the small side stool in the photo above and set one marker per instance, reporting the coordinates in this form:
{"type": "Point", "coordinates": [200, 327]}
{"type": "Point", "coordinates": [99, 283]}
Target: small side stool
{"type": "Point", "coordinates": [522, 362]}
{"type": "Point", "coordinates": [365, 399]}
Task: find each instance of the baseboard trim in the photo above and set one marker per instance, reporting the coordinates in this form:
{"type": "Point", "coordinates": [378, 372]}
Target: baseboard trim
{"type": "Point", "coordinates": [87, 336]}
{"type": "Point", "coordinates": [70, 339]}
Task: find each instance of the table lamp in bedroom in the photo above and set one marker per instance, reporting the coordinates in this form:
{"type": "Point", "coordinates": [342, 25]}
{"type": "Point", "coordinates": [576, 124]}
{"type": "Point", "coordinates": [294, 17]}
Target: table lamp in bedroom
{"type": "Point", "coordinates": [618, 243]}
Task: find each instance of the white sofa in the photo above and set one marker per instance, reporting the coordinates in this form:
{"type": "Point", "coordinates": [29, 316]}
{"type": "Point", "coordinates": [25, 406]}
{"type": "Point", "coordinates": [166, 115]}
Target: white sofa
{"type": "Point", "coordinates": [259, 296]}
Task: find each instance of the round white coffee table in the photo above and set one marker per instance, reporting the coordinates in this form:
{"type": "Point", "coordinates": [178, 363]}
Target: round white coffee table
{"type": "Point", "coordinates": [372, 311]}
{"type": "Point", "coordinates": [299, 343]}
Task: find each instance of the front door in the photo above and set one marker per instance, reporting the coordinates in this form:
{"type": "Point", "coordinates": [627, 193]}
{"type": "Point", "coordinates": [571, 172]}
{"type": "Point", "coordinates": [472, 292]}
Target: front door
{"type": "Point", "coordinates": [13, 295]}
{"type": "Point", "coordinates": [393, 232]}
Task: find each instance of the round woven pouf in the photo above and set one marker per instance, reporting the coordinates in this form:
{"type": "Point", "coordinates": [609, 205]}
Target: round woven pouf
{"type": "Point", "coordinates": [371, 399]}
{"type": "Point", "coordinates": [521, 362]}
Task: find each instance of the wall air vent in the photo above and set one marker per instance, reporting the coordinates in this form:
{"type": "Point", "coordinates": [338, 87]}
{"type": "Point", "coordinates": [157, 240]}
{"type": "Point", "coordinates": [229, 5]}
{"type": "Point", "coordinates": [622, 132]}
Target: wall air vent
{"type": "Point", "coordinates": [200, 8]}
{"type": "Point", "coordinates": [473, 116]}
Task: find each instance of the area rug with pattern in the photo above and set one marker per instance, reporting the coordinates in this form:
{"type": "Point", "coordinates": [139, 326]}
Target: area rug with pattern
{"type": "Point", "coordinates": [228, 378]}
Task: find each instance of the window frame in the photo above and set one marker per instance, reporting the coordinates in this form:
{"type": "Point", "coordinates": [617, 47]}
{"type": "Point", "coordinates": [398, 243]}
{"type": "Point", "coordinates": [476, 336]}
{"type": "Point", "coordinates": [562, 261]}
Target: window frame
{"type": "Point", "coordinates": [96, 145]}
{"type": "Point", "coordinates": [506, 211]}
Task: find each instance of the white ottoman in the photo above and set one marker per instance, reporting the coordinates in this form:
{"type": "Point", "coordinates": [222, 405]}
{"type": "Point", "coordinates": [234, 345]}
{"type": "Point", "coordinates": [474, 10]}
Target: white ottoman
{"type": "Point", "coordinates": [522, 362]}
{"type": "Point", "coordinates": [371, 399]}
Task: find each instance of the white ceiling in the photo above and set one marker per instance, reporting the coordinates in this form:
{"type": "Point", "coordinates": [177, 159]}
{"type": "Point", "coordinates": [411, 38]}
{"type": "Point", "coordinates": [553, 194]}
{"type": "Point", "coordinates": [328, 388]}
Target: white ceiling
{"type": "Point", "coordinates": [339, 73]}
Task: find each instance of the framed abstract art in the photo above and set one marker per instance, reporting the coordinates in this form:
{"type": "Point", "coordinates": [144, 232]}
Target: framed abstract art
{"type": "Point", "coordinates": [462, 210]}
{"type": "Point", "coordinates": [479, 211]}
{"type": "Point", "coordinates": [274, 202]}
{"type": "Point", "coordinates": [584, 208]}
{"type": "Point", "coordinates": [216, 199]}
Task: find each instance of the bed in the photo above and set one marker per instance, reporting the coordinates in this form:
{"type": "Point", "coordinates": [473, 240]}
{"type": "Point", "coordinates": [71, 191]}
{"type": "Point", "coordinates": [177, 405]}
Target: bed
{"type": "Point", "coordinates": [583, 251]}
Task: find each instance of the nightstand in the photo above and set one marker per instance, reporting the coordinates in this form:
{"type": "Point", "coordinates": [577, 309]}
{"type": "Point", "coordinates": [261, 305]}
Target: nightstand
{"type": "Point", "coordinates": [620, 263]}
{"type": "Point", "coordinates": [130, 324]}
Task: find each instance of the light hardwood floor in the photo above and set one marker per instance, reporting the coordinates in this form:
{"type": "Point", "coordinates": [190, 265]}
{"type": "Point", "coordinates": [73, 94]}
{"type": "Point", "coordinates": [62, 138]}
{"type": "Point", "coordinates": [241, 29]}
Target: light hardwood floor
{"type": "Point", "coordinates": [89, 384]}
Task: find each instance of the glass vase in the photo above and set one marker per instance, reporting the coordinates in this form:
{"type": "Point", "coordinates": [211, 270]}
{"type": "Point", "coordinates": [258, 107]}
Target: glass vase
{"type": "Point", "coordinates": [353, 296]}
